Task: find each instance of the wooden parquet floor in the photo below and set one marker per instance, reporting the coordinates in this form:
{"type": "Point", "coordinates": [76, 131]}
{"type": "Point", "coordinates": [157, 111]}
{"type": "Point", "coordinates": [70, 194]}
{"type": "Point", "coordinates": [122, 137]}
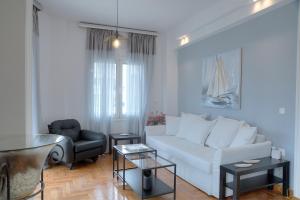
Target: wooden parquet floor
{"type": "Point", "coordinates": [89, 181]}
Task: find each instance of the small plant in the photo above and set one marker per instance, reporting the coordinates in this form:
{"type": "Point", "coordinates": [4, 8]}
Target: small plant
{"type": "Point", "coordinates": [156, 119]}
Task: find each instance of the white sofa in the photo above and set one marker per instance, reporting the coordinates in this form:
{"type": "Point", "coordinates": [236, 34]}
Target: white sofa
{"type": "Point", "coordinates": [200, 164]}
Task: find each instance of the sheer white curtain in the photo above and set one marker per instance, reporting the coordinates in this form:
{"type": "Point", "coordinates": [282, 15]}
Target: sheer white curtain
{"type": "Point", "coordinates": [139, 76]}
{"type": "Point", "coordinates": [101, 80]}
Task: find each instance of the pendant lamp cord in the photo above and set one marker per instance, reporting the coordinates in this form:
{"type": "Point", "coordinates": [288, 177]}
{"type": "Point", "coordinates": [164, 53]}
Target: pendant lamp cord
{"type": "Point", "coordinates": [117, 15]}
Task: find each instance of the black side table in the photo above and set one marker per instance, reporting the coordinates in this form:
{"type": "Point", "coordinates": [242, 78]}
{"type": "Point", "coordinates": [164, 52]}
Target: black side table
{"type": "Point", "coordinates": [268, 180]}
{"type": "Point", "coordinates": [118, 136]}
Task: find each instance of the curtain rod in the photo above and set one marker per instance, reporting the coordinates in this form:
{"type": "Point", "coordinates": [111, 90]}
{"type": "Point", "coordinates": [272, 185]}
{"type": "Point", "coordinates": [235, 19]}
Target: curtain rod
{"type": "Point", "coordinates": [122, 29]}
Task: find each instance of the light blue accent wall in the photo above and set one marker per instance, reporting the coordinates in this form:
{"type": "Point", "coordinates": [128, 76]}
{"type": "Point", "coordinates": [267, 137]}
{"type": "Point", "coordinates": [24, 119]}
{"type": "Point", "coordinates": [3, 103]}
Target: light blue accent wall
{"type": "Point", "coordinates": [269, 44]}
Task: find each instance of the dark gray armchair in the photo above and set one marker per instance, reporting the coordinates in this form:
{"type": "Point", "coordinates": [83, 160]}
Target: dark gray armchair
{"type": "Point", "coordinates": [79, 144]}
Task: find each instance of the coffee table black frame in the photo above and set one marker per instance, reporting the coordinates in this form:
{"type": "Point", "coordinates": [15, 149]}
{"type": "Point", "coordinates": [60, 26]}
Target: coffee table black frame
{"type": "Point", "coordinates": [268, 180]}
{"type": "Point", "coordinates": [131, 175]}
{"type": "Point", "coordinates": [117, 136]}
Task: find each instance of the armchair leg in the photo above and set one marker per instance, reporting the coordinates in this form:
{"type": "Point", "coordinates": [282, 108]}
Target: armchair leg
{"type": "Point", "coordinates": [95, 158]}
{"type": "Point", "coordinates": [71, 165]}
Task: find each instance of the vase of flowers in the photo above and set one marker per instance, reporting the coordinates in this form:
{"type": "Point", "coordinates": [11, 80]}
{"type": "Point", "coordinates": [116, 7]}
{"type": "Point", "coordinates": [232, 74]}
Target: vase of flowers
{"type": "Point", "coordinates": [157, 118]}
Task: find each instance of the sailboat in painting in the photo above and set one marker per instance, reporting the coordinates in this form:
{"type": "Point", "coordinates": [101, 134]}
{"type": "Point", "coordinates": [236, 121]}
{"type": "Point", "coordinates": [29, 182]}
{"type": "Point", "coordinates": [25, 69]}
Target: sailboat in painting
{"type": "Point", "coordinates": [218, 88]}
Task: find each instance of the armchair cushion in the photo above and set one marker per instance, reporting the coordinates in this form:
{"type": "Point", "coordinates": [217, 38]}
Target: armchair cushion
{"type": "Point", "coordinates": [91, 135]}
{"type": "Point", "coordinates": [84, 145]}
{"type": "Point", "coordinates": [68, 127]}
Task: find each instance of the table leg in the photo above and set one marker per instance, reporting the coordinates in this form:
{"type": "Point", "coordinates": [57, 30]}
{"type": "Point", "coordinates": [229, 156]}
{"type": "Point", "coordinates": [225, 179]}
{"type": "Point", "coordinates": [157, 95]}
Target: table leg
{"type": "Point", "coordinates": [109, 144]}
{"type": "Point", "coordinates": [155, 170]}
{"type": "Point", "coordinates": [123, 172]}
{"type": "Point", "coordinates": [174, 182]}
{"type": "Point", "coordinates": [115, 143]}
{"type": "Point", "coordinates": [286, 181]}
{"type": "Point", "coordinates": [131, 141]}
{"type": "Point", "coordinates": [222, 184]}
{"type": "Point", "coordinates": [142, 184]}
{"type": "Point", "coordinates": [42, 180]}
{"type": "Point", "coordinates": [270, 176]}
{"type": "Point", "coordinates": [113, 161]}
{"type": "Point", "coordinates": [236, 187]}
{"type": "Point", "coordinates": [117, 158]}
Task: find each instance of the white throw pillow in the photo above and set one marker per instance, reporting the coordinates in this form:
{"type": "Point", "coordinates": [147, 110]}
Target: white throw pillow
{"type": "Point", "coordinates": [172, 125]}
{"type": "Point", "coordinates": [245, 135]}
{"type": "Point", "coordinates": [199, 130]}
{"type": "Point", "coordinates": [223, 133]}
{"type": "Point", "coordinates": [186, 121]}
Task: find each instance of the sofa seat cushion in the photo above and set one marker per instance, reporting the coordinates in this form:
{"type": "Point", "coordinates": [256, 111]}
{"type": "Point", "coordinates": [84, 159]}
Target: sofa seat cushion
{"type": "Point", "coordinates": [176, 148]}
{"type": "Point", "coordinates": [84, 145]}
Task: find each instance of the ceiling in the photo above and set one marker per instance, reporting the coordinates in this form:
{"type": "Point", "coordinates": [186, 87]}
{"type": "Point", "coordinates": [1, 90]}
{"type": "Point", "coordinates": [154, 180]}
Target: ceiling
{"type": "Point", "coordinates": [156, 15]}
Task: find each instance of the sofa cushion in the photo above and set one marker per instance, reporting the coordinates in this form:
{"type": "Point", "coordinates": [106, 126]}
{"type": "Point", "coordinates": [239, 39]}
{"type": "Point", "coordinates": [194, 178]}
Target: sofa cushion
{"type": "Point", "coordinates": [223, 133]}
{"type": "Point", "coordinates": [244, 136]}
{"type": "Point", "coordinates": [174, 148]}
{"type": "Point", "coordinates": [187, 121]}
{"type": "Point", "coordinates": [199, 130]}
{"type": "Point", "coordinates": [172, 125]}
{"type": "Point", "coordinates": [84, 145]}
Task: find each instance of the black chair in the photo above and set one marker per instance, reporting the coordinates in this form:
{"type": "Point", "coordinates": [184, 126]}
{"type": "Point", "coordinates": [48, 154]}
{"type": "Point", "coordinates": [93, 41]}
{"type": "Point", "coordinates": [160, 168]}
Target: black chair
{"type": "Point", "coordinates": [79, 144]}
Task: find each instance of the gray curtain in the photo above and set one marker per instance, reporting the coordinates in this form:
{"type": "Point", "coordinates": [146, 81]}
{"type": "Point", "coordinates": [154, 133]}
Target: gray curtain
{"type": "Point", "coordinates": [141, 50]}
{"type": "Point", "coordinates": [35, 73]}
{"type": "Point", "coordinates": [101, 82]}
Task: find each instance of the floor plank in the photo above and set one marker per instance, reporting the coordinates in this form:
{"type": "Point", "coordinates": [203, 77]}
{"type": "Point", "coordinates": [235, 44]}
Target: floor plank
{"type": "Point", "coordinates": [89, 181]}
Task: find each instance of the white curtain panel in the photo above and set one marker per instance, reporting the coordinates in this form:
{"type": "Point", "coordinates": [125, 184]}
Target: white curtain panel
{"type": "Point", "coordinates": [101, 80]}
{"type": "Point", "coordinates": [140, 69]}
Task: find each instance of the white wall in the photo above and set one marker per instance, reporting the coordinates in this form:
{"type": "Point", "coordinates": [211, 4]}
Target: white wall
{"type": "Point", "coordinates": [63, 67]}
{"type": "Point", "coordinates": [14, 60]}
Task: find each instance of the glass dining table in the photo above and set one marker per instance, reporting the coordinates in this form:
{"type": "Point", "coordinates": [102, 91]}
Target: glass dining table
{"type": "Point", "coordinates": [21, 164]}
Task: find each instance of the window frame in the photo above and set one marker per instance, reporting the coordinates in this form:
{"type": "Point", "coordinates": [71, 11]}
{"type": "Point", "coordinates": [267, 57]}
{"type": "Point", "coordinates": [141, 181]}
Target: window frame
{"type": "Point", "coordinates": [119, 90]}
{"type": "Point", "coordinates": [120, 59]}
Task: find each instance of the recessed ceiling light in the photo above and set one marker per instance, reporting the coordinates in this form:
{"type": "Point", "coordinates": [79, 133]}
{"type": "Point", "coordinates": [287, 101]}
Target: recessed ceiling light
{"type": "Point", "coordinates": [184, 40]}
{"type": "Point", "coordinates": [254, 1]}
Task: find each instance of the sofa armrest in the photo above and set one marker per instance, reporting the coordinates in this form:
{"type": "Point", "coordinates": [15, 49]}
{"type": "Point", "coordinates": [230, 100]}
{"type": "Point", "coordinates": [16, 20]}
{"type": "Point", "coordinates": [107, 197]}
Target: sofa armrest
{"type": "Point", "coordinates": [155, 130]}
{"type": "Point", "coordinates": [236, 154]}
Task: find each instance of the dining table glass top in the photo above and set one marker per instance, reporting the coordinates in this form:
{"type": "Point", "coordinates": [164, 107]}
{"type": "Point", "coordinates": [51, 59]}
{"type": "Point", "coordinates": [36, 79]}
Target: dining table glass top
{"type": "Point", "coordinates": [15, 142]}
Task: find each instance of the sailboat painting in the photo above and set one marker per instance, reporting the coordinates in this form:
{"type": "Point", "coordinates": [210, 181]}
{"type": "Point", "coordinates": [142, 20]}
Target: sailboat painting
{"type": "Point", "coordinates": [221, 80]}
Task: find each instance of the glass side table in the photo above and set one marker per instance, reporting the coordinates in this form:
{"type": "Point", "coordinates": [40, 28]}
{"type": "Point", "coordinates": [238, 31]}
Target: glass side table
{"type": "Point", "coordinates": [144, 160]}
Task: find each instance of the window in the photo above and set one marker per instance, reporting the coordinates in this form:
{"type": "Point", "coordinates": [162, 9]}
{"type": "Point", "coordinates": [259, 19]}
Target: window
{"type": "Point", "coordinates": [116, 81]}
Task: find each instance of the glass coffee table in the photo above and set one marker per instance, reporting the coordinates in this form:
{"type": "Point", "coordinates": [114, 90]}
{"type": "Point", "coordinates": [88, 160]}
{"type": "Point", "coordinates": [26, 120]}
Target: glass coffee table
{"type": "Point", "coordinates": [145, 161]}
